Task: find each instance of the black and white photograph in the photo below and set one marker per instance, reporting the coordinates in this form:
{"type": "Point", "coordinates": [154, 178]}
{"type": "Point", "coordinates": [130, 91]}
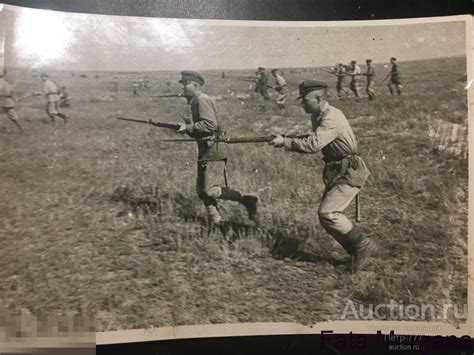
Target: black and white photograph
{"type": "Point", "coordinates": [160, 172]}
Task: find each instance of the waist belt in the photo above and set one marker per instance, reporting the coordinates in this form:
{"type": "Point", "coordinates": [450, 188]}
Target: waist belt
{"type": "Point", "coordinates": [350, 158]}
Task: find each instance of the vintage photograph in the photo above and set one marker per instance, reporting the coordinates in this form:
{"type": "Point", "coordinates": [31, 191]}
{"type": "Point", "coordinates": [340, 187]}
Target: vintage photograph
{"type": "Point", "coordinates": [163, 172]}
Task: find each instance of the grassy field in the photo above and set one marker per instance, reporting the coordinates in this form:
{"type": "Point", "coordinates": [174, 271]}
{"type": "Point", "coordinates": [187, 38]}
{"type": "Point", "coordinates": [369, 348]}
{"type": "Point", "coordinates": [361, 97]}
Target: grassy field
{"type": "Point", "coordinates": [98, 217]}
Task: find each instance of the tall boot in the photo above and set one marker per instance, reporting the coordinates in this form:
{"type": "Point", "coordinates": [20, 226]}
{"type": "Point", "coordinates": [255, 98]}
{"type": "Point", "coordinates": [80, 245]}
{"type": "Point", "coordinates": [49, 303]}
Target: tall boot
{"type": "Point", "coordinates": [362, 248]}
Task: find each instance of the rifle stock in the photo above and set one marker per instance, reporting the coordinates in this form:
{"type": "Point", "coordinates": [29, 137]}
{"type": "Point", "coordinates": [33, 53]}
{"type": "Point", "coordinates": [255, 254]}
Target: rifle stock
{"type": "Point", "coordinates": [169, 95]}
{"type": "Point", "coordinates": [174, 126]}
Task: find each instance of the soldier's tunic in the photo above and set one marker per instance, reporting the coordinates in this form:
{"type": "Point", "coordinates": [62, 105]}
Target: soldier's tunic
{"type": "Point", "coordinates": [51, 92]}
{"type": "Point", "coordinates": [211, 161]}
{"type": "Point", "coordinates": [345, 172]}
{"type": "Point", "coordinates": [370, 82]}
{"type": "Point", "coordinates": [7, 104]}
{"type": "Point", "coordinates": [354, 86]}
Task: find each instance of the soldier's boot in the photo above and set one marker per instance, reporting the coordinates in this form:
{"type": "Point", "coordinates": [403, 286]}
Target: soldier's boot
{"type": "Point", "coordinates": [248, 201]}
{"type": "Point", "coordinates": [361, 249]}
{"type": "Point", "coordinates": [214, 217]}
{"type": "Point", "coordinates": [63, 116]}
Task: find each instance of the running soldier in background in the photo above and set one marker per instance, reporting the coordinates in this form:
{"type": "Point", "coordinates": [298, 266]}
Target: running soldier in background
{"type": "Point", "coordinates": [395, 77]}
{"type": "Point", "coordinates": [354, 72]}
{"type": "Point", "coordinates": [370, 74]}
{"type": "Point", "coordinates": [281, 87]}
{"type": "Point", "coordinates": [344, 174]}
{"type": "Point", "coordinates": [211, 183]}
{"type": "Point", "coordinates": [340, 73]}
{"type": "Point", "coordinates": [51, 92]}
{"type": "Point", "coordinates": [64, 99]}
{"type": "Point", "coordinates": [135, 88]}
{"type": "Point", "coordinates": [262, 83]}
{"type": "Point", "coordinates": [7, 104]}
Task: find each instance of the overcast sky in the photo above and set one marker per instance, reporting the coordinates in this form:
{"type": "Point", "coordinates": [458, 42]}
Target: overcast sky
{"type": "Point", "coordinates": [39, 39]}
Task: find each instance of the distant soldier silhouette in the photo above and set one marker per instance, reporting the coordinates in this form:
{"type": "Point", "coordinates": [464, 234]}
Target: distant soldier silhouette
{"type": "Point", "coordinates": [281, 87]}
{"type": "Point", "coordinates": [7, 104]}
{"type": "Point", "coordinates": [370, 74]}
{"type": "Point", "coordinates": [395, 77]}
{"type": "Point", "coordinates": [262, 83]}
{"type": "Point", "coordinates": [51, 93]}
{"type": "Point", "coordinates": [64, 98]}
{"type": "Point", "coordinates": [340, 72]}
{"type": "Point", "coordinates": [354, 71]}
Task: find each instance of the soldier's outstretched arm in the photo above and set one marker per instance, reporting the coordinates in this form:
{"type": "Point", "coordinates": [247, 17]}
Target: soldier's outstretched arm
{"type": "Point", "coordinates": [322, 136]}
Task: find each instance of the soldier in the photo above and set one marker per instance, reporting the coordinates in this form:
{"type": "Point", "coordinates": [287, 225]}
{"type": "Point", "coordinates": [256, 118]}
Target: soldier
{"type": "Point", "coordinates": [370, 74]}
{"type": "Point", "coordinates": [211, 164]}
{"type": "Point", "coordinates": [64, 99]}
{"type": "Point", "coordinates": [7, 104]}
{"type": "Point", "coordinates": [135, 88]}
{"type": "Point", "coordinates": [281, 87]}
{"type": "Point", "coordinates": [354, 71]}
{"type": "Point", "coordinates": [51, 92]}
{"type": "Point", "coordinates": [394, 77]}
{"type": "Point", "coordinates": [345, 172]}
{"type": "Point", "coordinates": [340, 73]}
{"type": "Point", "coordinates": [262, 83]}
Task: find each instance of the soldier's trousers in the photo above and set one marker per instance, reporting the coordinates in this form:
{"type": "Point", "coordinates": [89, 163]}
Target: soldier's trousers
{"type": "Point", "coordinates": [331, 213]}
{"type": "Point", "coordinates": [263, 90]}
{"type": "Point", "coordinates": [370, 90]}
{"type": "Point", "coordinates": [397, 84]}
{"type": "Point", "coordinates": [340, 88]}
{"type": "Point", "coordinates": [11, 114]}
{"type": "Point", "coordinates": [210, 180]}
{"type": "Point", "coordinates": [354, 87]}
{"type": "Point", "coordinates": [52, 111]}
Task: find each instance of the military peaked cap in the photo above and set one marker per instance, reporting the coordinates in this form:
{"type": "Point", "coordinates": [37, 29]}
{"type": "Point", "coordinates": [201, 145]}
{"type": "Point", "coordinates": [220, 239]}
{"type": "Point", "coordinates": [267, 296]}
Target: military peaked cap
{"type": "Point", "coordinates": [307, 86]}
{"type": "Point", "coordinates": [189, 75]}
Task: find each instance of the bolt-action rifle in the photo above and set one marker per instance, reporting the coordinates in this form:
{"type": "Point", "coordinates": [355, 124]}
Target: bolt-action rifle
{"type": "Point", "coordinates": [174, 126]}
{"type": "Point", "coordinates": [169, 95]}
{"type": "Point", "coordinates": [236, 140]}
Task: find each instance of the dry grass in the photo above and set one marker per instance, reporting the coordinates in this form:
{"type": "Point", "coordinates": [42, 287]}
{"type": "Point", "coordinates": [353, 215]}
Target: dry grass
{"type": "Point", "coordinates": [99, 217]}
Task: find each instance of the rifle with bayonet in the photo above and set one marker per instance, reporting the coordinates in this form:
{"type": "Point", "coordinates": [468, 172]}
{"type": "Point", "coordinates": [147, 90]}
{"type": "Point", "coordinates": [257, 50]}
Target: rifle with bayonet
{"type": "Point", "coordinates": [169, 95]}
{"type": "Point", "coordinates": [174, 126]}
{"type": "Point", "coordinates": [237, 140]}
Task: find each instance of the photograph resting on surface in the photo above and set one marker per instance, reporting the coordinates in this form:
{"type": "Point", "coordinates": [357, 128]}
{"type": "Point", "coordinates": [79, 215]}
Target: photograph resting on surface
{"type": "Point", "coordinates": [161, 172]}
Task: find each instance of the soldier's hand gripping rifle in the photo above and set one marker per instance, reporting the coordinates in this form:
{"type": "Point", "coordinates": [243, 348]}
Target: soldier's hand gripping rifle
{"type": "Point", "coordinates": [174, 126]}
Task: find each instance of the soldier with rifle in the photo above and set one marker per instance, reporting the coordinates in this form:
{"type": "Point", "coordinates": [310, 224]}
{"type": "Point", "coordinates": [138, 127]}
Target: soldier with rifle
{"type": "Point", "coordinates": [394, 77]}
{"type": "Point", "coordinates": [211, 183]}
{"type": "Point", "coordinates": [51, 92]}
{"type": "Point", "coordinates": [370, 74]}
{"type": "Point", "coordinates": [7, 104]}
{"type": "Point", "coordinates": [340, 73]}
{"type": "Point", "coordinates": [345, 172]}
{"type": "Point", "coordinates": [354, 72]}
{"type": "Point", "coordinates": [281, 87]}
{"type": "Point", "coordinates": [262, 84]}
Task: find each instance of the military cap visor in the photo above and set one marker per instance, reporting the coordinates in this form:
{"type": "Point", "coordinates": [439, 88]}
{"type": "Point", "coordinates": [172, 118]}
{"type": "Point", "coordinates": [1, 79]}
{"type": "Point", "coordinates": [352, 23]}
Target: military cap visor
{"type": "Point", "coordinates": [189, 75]}
{"type": "Point", "coordinates": [308, 86]}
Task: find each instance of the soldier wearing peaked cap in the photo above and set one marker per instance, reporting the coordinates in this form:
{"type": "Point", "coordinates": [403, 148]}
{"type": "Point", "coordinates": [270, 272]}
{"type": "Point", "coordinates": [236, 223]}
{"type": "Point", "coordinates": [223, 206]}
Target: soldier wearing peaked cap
{"type": "Point", "coordinates": [211, 184]}
{"type": "Point", "coordinates": [345, 172]}
{"type": "Point", "coordinates": [7, 104]}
